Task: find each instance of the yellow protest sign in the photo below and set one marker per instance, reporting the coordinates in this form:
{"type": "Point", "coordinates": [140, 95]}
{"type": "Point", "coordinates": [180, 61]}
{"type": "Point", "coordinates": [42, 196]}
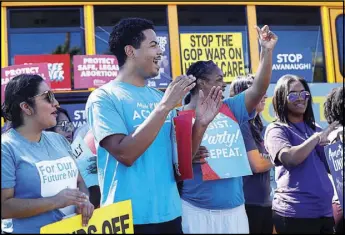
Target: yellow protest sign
{"type": "Point", "coordinates": [225, 49]}
{"type": "Point", "coordinates": [116, 218]}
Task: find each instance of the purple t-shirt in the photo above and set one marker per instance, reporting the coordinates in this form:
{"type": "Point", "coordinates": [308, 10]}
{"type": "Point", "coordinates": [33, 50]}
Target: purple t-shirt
{"type": "Point", "coordinates": [256, 187]}
{"type": "Point", "coordinates": [303, 191]}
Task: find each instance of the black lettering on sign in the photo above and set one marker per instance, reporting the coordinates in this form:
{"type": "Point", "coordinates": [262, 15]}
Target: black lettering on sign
{"type": "Point", "coordinates": [224, 40]}
{"type": "Point", "coordinates": [124, 225]}
{"type": "Point", "coordinates": [90, 230]}
{"type": "Point", "coordinates": [192, 41]}
{"type": "Point", "coordinates": [201, 40]}
{"type": "Point", "coordinates": [78, 151]}
{"type": "Point", "coordinates": [192, 54]}
{"type": "Point", "coordinates": [215, 54]}
{"type": "Point", "coordinates": [235, 53]}
{"type": "Point", "coordinates": [80, 231]}
{"type": "Point", "coordinates": [116, 228]}
{"type": "Point", "coordinates": [231, 68]}
{"type": "Point", "coordinates": [106, 228]}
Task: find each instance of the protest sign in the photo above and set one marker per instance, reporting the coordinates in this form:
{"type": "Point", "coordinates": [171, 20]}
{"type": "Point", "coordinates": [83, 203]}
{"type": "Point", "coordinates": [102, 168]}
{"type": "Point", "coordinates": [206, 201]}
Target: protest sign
{"type": "Point", "coordinates": [77, 113]}
{"type": "Point", "coordinates": [298, 56]}
{"type": "Point", "coordinates": [10, 72]}
{"type": "Point", "coordinates": [86, 161]}
{"type": "Point", "coordinates": [59, 67]}
{"type": "Point", "coordinates": [225, 49]}
{"type": "Point", "coordinates": [116, 218]}
{"type": "Point", "coordinates": [292, 61]}
{"type": "Point", "coordinates": [182, 145]}
{"type": "Point", "coordinates": [335, 159]}
{"type": "Point", "coordinates": [227, 152]}
{"type": "Point", "coordinates": [92, 71]}
{"type": "Point", "coordinates": [163, 79]}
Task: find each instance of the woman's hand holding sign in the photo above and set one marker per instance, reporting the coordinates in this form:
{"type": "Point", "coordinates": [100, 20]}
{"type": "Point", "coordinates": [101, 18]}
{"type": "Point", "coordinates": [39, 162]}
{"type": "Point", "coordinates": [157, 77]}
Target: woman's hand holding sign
{"type": "Point", "coordinates": [68, 197]}
{"type": "Point", "coordinates": [200, 155]}
{"type": "Point", "coordinates": [86, 210]}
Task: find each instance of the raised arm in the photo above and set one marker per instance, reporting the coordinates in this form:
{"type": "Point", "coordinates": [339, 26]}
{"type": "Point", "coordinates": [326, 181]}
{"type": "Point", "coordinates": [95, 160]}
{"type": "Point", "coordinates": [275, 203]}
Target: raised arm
{"type": "Point", "coordinates": [128, 148]}
{"type": "Point", "coordinates": [263, 75]}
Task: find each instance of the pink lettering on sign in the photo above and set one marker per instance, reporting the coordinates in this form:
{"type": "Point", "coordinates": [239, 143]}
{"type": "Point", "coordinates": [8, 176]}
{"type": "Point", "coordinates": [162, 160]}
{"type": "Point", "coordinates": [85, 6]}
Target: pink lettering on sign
{"type": "Point", "coordinates": [92, 71]}
{"type": "Point", "coordinates": [10, 72]}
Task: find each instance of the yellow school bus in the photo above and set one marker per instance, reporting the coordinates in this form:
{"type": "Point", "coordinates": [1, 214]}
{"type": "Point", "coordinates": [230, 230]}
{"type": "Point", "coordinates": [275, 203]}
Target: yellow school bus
{"type": "Point", "coordinates": [312, 30]}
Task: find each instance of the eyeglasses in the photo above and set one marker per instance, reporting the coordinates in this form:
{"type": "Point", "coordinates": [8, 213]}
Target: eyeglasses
{"type": "Point", "coordinates": [293, 96]}
{"type": "Point", "coordinates": [49, 96]}
{"type": "Point", "coordinates": [66, 126]}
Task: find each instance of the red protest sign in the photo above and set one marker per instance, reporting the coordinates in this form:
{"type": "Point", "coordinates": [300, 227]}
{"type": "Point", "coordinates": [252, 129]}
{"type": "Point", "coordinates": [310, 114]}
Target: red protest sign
{"type": "Point", "coordinates": [91, 71]}
{"type": "Point", "coordinates": [10, 72]}
{"type": "Point", "coordinates": [59, 67]}
{"type": "Point", "coordinates": [183, 124]}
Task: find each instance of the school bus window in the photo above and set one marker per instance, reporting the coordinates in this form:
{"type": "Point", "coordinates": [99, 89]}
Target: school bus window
{"type": "Point", "coordinates": [107, 16]}
{"type": "Point", "coordinates": [217, 33]}
{"type": "Point", "coordinates": [58, 31]}
{"type": "Point", "coordinates": [300, 47]}
{"type": "Point", "coordinates": [339, 23]}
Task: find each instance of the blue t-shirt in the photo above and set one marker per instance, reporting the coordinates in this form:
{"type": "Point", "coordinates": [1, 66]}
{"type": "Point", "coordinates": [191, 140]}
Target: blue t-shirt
{"type": "Point", "coordinates": [223, 193]}
{"type": "Point", "coordinates": [119, 108]}
{"type": "Point", "coordinates": [36, 170]}
{"type": "Point", "coordinates": [256, 187]}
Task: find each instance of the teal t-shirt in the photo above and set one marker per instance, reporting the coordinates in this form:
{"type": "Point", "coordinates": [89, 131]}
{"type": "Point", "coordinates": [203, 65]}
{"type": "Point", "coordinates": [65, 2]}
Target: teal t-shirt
{"type": "Point", "coordinates": [119, 108]}
{"type": "Point", "coordinates": [36, 170]}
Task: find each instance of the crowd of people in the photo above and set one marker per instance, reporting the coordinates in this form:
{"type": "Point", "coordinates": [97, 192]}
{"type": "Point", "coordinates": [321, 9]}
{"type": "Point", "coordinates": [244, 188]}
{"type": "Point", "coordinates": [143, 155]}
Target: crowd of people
{"type": "Point", "coordinates": [129, 132]}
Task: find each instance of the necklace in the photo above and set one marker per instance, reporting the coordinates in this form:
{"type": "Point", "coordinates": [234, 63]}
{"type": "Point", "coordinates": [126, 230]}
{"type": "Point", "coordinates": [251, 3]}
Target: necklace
{"type": "Point", "coordinates": [306, 134]}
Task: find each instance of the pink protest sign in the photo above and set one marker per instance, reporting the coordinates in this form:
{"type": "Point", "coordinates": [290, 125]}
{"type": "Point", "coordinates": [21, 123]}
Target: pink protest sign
{"type": "Point", "coordinates": [92, 71]}
{"type": "Point", "coordinates": [10, 72]}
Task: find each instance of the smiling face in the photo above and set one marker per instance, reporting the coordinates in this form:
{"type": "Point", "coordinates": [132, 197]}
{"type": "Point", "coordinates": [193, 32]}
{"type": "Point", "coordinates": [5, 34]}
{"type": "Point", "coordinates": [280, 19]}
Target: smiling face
{"type": "Point", "coordinates": [215, 78]}
{"type": "Point", "coordinates": [297, 99]}
{"type": "Point", "coordinates": [148, 55]}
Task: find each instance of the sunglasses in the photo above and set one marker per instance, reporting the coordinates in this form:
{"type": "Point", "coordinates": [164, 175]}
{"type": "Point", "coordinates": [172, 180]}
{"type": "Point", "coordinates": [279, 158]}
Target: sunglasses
{"type": "Point", "coordinates": [65, 126]}
{"type": "Point", "coordinates": [294, 96]}
{"type": "Point", "coordinates": [49, 96]}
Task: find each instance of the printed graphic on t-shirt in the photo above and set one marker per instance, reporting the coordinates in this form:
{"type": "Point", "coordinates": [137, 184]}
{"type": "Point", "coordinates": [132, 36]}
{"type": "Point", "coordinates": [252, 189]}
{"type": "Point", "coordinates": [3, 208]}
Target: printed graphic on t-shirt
{"type": "Point", "coordinates": [142, 111]}
{"type": "Point", "coordinates": [57, 175]}
{"type": "Point", "coordinates": [86, 161]}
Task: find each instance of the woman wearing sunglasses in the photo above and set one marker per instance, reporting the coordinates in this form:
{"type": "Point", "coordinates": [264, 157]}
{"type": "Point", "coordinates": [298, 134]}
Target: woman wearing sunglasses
{"type": "Point", "coordinates": [64, 126]}
{"type": "Point", "coordinates": [302, 202]}
{"type": "Point", "coordinates": [40, 182]}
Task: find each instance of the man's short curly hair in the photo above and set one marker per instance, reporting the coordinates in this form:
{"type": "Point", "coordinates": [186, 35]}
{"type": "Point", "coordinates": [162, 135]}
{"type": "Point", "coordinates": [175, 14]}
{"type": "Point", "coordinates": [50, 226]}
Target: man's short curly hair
{"type": "Point", "coordinates": [127, 31]}
{"type": "Point", "coordinates": [334, 106]}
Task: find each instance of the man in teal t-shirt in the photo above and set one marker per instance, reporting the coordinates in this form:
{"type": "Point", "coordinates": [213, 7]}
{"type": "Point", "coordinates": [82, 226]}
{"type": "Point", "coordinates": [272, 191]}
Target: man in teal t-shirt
{"type": "Point", "coordinates": [132, 126]}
